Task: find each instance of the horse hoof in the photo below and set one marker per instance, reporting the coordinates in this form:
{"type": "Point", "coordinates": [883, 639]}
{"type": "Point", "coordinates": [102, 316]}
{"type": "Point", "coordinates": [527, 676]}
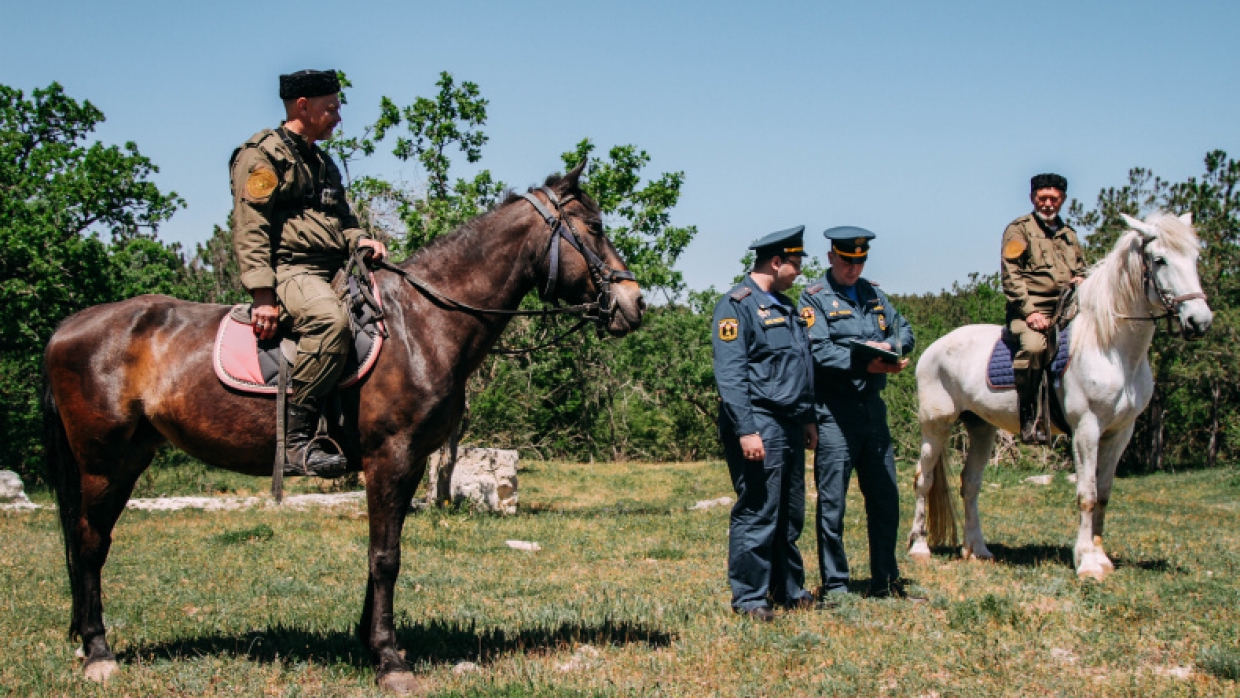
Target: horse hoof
{"type": "Point", "coordinates": [100, 671]}
{"type": "Point", "coordinates": [400, 683]}
{"type": "Point", "coordinates": [920, 554]}
{"type": "Point", "coordinates": [1097, 574]}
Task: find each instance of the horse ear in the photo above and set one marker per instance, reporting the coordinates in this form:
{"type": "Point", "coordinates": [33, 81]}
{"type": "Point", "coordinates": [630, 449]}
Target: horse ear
{"type": "Point", "coordinates": [1140, 226]}
{"type": "Point", "coordinates": [1187, 219]}
{"type": "Point", "coordinates": [572, 179]}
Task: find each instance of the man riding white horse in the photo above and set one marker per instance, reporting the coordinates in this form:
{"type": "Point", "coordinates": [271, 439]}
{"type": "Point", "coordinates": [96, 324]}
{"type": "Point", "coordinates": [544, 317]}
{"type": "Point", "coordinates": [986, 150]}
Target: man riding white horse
{"type": "Point", "coordinates": [1041, 258]}
{"type": "Point", "coordinates": [1150, 275]}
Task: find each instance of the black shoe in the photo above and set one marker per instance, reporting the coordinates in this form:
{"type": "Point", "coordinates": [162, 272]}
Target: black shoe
{"type": "Point", "coordinates": [305, 456]}
{"type": "Point", "coordinates": [803, 603]}
{"type": "Point", "coordinates": [895, 589]}
{"type": "Point", "coordinates": [758, 613]}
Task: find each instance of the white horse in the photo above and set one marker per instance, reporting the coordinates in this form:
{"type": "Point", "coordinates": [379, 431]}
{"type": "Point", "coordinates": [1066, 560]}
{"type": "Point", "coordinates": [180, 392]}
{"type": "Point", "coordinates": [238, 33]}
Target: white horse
{"type": "Point", "coordinates": [1152, 271]}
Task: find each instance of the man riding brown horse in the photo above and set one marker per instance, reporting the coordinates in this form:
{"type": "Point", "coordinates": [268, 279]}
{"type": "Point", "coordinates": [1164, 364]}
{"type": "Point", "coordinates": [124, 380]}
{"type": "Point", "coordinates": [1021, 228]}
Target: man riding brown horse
{"type": "Point", "coordinates": [292, 231]}
{"type": "Point", "coordinates": [124, 378]}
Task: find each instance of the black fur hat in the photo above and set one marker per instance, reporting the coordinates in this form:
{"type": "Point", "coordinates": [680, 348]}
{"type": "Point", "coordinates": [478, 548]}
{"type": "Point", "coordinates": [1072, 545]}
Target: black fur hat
{"type": "Point", "coordinates": [309, 83]}
{"type": "Point", "coordinates": [1048, 181]}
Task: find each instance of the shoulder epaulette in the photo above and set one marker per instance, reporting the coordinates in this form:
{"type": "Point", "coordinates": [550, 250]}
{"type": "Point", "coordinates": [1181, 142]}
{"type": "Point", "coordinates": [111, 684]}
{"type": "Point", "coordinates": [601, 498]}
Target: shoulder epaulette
{"type": "Point", "coordinates": [741, 294]}
{"type": "Point", "coordinates": [253, 142]}
{"type": "Point", "coordinates": [873, 283]}
{"type": "Point", "coordinates": [814, 289]}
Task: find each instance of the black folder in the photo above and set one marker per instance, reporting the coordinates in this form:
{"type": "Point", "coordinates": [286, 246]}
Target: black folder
{"type": "Point", "coordinates": [867, 352]}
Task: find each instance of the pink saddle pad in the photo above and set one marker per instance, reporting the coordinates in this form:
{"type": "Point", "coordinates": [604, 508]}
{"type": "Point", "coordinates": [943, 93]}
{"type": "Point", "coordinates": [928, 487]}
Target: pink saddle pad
{"type": "Point", "coordinates": [238, 365]}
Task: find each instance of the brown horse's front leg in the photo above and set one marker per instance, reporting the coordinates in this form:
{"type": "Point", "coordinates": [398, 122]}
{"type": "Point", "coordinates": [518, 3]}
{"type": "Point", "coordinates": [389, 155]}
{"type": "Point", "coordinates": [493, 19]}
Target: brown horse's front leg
{"type": "Point", "coordinates": [387, 499]}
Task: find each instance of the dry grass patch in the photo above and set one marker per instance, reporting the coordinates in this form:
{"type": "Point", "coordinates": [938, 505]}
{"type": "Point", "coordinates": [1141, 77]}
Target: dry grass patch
{"type": "Point", "coordinates": [628, 596]}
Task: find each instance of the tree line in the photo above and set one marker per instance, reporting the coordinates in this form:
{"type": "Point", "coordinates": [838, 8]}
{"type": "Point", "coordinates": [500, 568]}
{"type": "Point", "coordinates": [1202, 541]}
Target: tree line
{"type": "Point", "coordinates": [79, 223]}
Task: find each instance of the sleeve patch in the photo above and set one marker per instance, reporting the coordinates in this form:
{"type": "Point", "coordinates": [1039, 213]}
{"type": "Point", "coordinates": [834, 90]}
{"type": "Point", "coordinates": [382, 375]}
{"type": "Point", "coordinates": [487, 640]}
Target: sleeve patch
{"type": "Point", "coordinates": [728, 329]}
{"type": "Point", "coordinates": [807, 314]}
{"type": "Point", "coordinates": [260, 184]}
{"type": "Point", "coordinates": [1014, 248]}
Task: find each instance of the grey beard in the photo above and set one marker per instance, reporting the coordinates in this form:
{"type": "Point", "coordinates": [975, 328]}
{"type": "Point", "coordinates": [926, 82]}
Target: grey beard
{"type": "Point", "coordinates": [1052, 222]}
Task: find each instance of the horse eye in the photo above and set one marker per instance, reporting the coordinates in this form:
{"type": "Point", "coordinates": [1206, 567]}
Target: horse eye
{"type": "Point", "coordinates": [1160, 261]}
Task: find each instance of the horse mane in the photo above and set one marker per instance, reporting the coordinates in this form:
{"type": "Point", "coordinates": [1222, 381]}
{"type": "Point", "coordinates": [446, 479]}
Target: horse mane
{"type": "Point", "coordinates": [1116, 285]}
{"type": "Point", "coordinates": [464, 235]}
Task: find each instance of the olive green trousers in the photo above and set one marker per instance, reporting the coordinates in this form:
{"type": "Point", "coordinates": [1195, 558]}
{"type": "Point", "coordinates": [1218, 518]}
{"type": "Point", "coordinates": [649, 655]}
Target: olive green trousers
{"type": "Point", "coordinates": [319, 316]}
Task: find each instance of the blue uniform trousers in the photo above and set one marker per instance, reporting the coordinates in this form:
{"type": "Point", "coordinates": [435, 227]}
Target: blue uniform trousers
{"type": "Point", "coordinates": [768, 516]}
{"type": "Point", "coordinates": [853, 434]}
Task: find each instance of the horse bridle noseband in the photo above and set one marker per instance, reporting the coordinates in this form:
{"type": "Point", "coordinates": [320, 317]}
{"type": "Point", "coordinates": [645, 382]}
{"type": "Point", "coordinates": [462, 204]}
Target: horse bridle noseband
{"type": "Point", "coordinates": [562, 229]}
{"type": "Point", "coordinates": [1170, 303]}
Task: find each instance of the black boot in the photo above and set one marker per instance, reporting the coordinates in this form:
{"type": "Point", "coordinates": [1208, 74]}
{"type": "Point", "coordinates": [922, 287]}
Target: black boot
{"type": "Point", "coordinates": [305, 456]}
{"type": "Point", "coordinates": [1032, 432]}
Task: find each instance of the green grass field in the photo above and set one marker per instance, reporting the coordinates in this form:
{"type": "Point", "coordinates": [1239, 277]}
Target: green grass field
{"type": "Point", "coordinates": [628, 596]}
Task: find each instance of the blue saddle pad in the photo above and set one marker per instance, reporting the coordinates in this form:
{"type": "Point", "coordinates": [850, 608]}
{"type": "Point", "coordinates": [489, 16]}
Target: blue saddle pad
{"type": "Point", "coordinates": [1000, 375]}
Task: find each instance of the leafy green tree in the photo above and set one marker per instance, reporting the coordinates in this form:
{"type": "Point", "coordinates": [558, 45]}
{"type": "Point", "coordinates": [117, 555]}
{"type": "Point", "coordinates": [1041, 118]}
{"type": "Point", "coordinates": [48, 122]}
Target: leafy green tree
{"type": "Point", "coordinates": [452, 120]}
{"type": "Point", "coordinates": [637, 216]}
{"type": "Point", "coordinates": [77, 228]}
{"type": "Point", "coordinates": [57, 196]}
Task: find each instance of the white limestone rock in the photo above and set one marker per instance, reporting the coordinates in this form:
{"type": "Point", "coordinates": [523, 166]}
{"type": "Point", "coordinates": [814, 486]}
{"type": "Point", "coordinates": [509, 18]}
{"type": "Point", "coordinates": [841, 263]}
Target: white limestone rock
{"type": "Point", "coordinates": [11, 489]}
{"type": "Point", "coordinates": [483, 478]}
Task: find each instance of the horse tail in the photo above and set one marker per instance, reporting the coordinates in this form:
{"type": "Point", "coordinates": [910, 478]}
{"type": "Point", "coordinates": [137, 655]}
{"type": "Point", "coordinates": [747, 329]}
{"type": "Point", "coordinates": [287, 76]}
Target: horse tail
{"type": "Point", "coordinates": [940, 508]}
{"type": "Point", "coordinates": [63, 475]}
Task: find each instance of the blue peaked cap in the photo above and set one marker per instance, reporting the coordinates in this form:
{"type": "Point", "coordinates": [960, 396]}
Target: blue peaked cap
{"type": "Point", "coordinates": [850, 242]}
{"type": "Point", "coordinates": [790, 241]}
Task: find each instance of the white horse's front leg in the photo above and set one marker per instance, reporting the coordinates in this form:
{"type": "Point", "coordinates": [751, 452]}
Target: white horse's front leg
{"type": "Point", "coordinates": [1110, 448]}
{"type": "Point", "coordinates": [933, 440]}
{"type": "Point", "coordinates": [981, 445]}
{"type": "Point", "coordinates": [1091, 562]}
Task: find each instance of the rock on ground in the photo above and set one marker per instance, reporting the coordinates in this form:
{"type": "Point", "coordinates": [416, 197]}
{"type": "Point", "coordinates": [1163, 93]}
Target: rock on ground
{"type": "Point", "coordinates": [484, 478]}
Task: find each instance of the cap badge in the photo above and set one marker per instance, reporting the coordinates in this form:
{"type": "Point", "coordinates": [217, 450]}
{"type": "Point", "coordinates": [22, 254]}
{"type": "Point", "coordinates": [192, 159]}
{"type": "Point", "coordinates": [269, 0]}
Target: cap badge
{"type": "Point", "coordinates": [859, 242]}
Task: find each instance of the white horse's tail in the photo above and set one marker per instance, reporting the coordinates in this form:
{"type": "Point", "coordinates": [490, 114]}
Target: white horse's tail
{"type": "Point", "coordinates": [940, 507]}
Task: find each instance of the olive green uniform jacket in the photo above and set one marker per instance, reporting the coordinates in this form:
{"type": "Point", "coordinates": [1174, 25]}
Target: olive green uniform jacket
{"type": "Point", "coordinates": [1037, 264]}
{"type": "Point", "coordinates": [290, 215]}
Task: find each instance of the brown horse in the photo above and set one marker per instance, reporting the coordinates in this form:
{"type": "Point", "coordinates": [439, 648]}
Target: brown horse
{"type": "Point", "coordinates": [126, 377]}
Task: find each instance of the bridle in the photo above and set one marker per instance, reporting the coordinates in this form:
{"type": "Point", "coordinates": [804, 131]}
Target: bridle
{"type": "Point", "coordinates": [1170, 303]}
{"type": "Point", "coordinates": [600, 312]}
{"type": "Point", "coordinates": [562, 228]}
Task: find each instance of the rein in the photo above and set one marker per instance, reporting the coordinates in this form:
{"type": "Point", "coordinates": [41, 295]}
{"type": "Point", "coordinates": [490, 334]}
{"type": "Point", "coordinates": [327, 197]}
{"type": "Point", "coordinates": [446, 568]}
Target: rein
{"type": "Point", "coordinates": [598, 312]}
{"type": "Point", "coordinates": [1170, 303]}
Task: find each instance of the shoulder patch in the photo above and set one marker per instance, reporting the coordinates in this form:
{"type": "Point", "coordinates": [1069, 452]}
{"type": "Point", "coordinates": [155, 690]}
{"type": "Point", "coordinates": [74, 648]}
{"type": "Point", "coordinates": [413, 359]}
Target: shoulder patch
{"type": "Point", "coordinates": [728, 329]}
{"type": "Point", "coordinates": [814, 289]}
{"type": "Point", "coordinates": [260, 184]}
{"type": "Point", "coordinates": [807, 314]}
{"type": "Point", "coordinates": [741, 294]}
{"type": "Point", "coordinates": [1014, 247]}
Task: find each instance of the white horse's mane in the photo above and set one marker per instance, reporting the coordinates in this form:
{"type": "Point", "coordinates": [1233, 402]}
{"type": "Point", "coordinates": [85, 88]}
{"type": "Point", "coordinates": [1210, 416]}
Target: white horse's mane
{"type": "Point", "coordinates": [1114, 287]}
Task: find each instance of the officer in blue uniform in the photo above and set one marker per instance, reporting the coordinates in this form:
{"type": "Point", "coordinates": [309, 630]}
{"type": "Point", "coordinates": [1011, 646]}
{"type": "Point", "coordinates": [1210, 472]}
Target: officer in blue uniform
{"type": "Point", "coordinates": [840, 309]}
{"type": "Point", "coordinates": [766, 421]}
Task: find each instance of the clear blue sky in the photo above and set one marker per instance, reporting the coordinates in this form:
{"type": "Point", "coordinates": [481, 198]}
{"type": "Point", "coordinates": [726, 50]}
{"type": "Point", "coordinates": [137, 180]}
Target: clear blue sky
{"type": "Point", "coordinates": [921, 121]}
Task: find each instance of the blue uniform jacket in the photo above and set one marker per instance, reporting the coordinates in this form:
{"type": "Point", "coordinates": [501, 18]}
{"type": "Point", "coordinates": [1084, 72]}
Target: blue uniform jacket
{"type": "Point", "coordinates": [762, 361]}
{"type": "Point", "coordinates": [833, 320]}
